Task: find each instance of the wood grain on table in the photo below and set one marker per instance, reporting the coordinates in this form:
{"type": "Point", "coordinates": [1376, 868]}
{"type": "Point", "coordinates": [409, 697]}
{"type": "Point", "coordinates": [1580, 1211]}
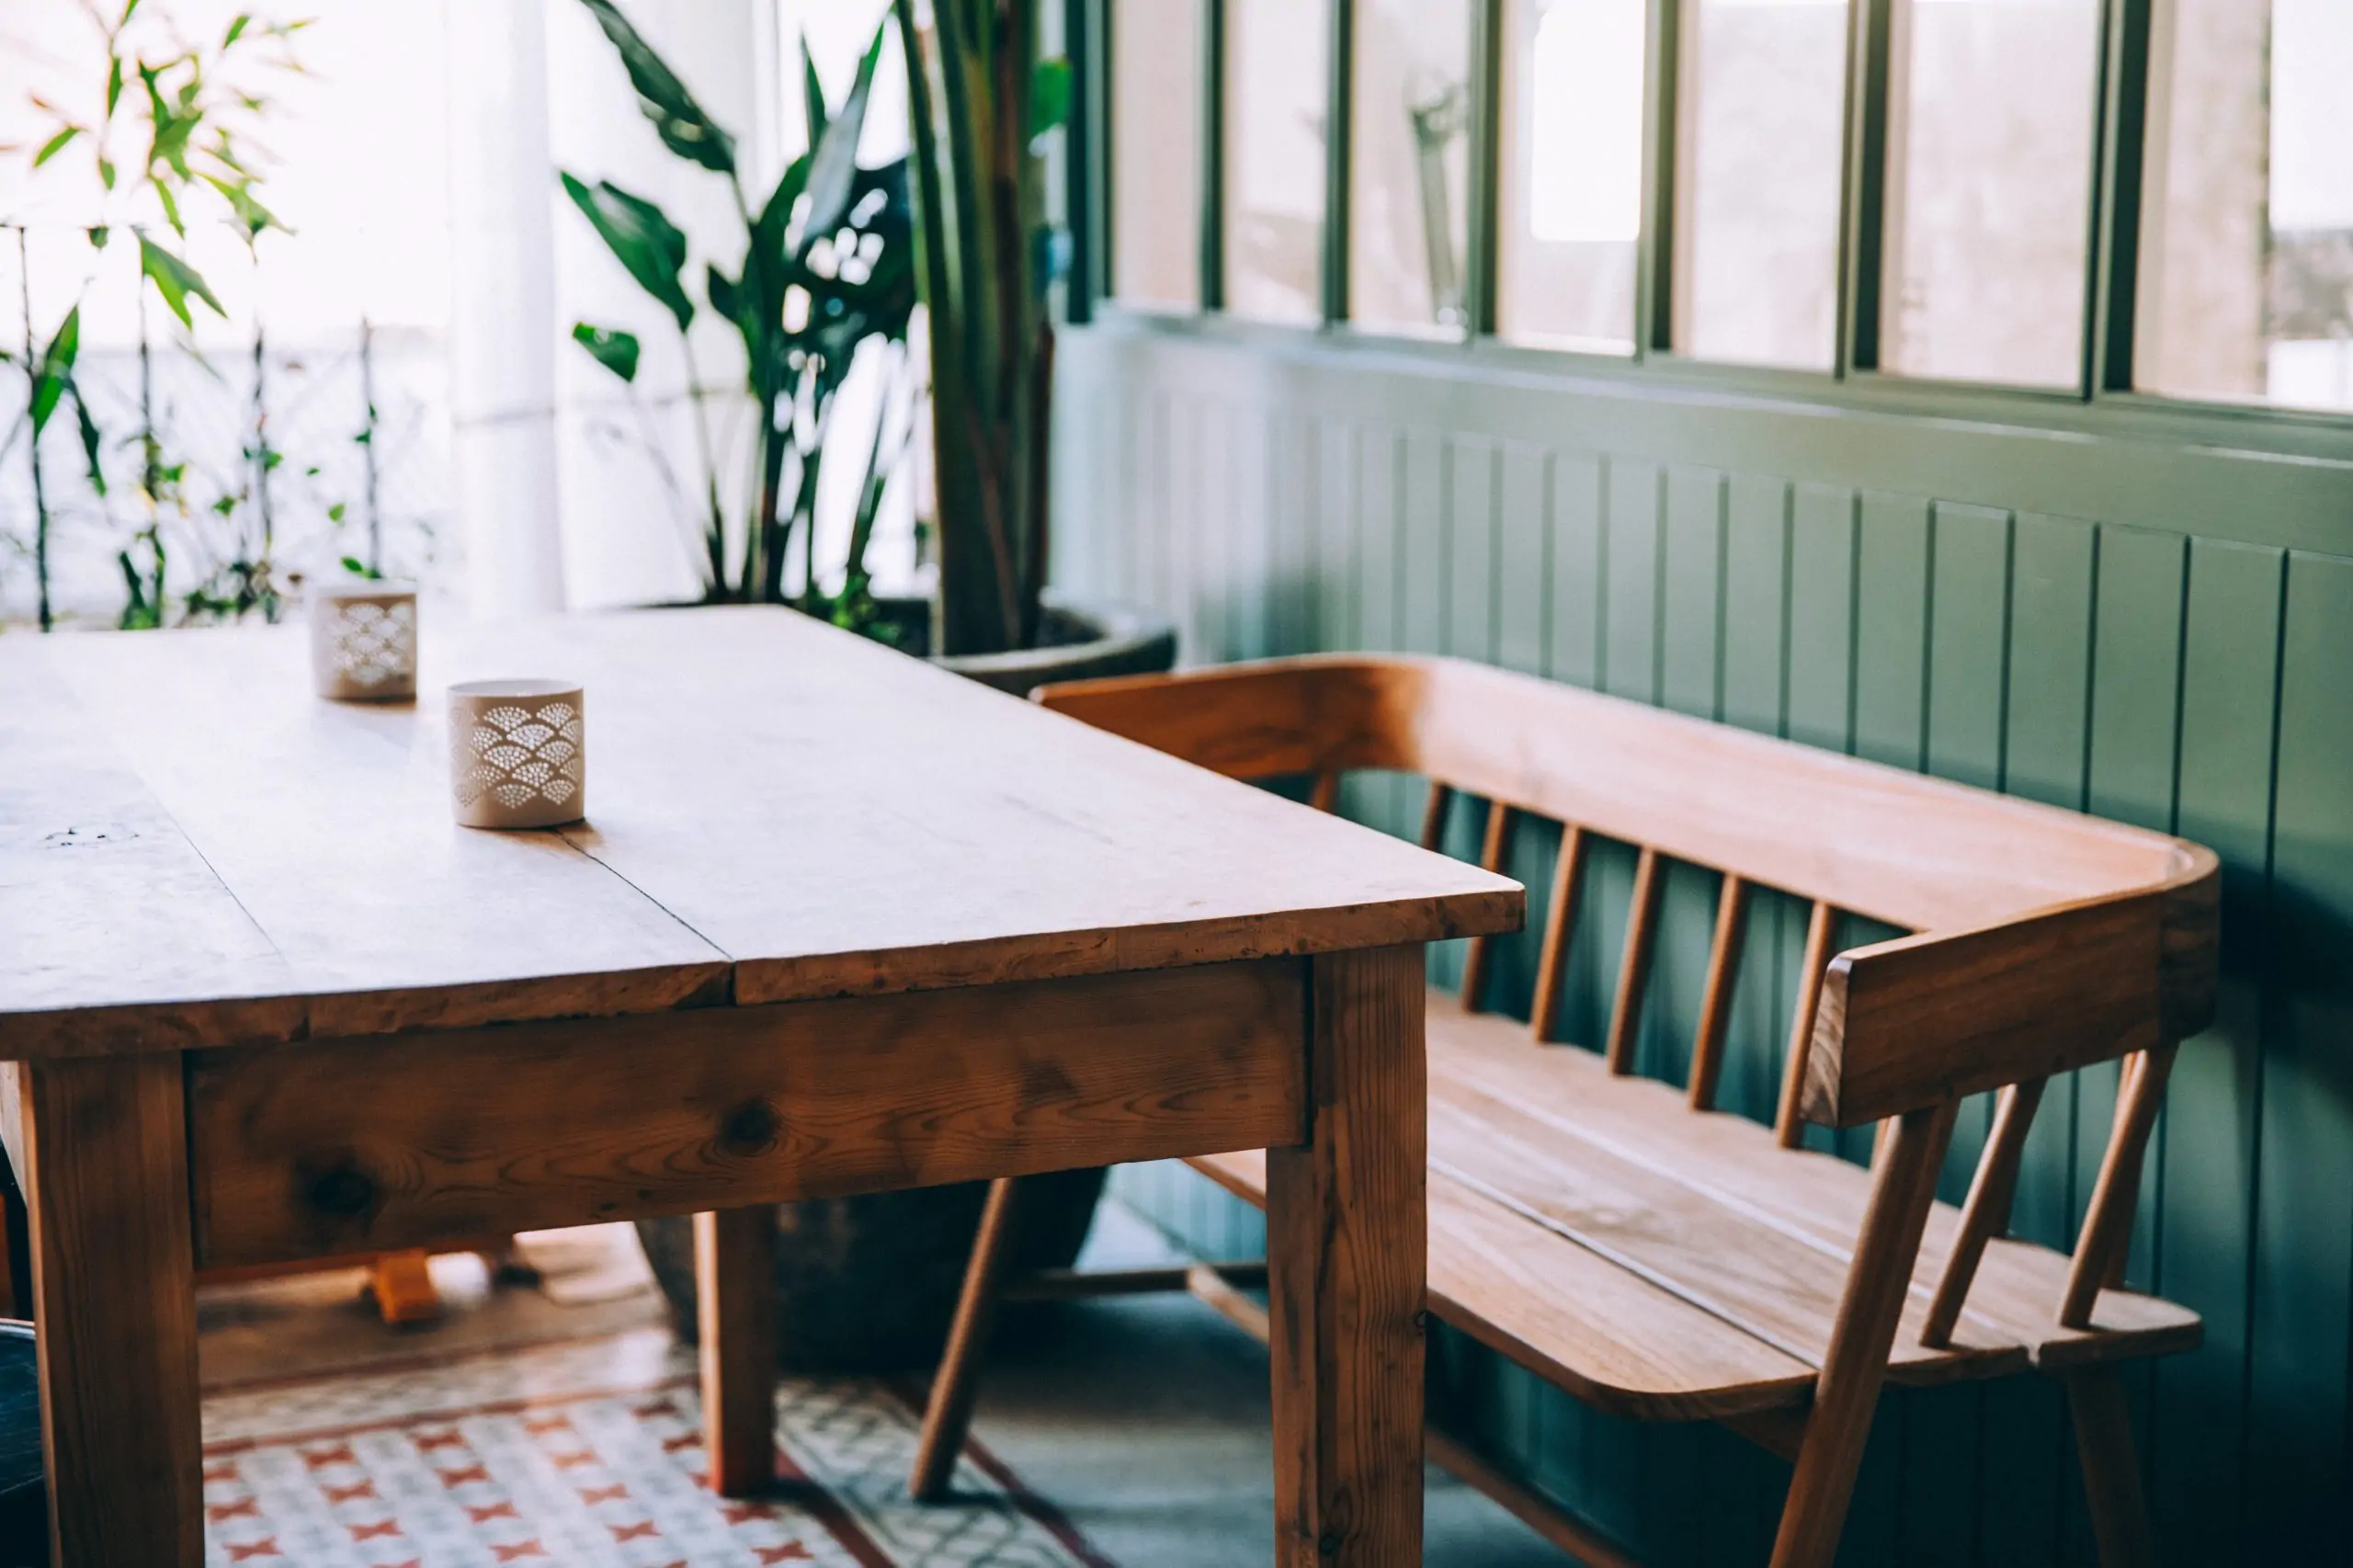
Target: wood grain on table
{"type": "Point", "coordinates": [779, 812]}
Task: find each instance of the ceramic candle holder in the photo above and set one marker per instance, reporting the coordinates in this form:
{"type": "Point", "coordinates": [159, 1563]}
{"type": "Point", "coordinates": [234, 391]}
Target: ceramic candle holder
{"type": "Point", "coordinates": [363, 641]}
{"type": "Point", "coordinates": [517, 753]}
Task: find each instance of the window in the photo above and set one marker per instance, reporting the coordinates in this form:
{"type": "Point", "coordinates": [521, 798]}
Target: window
{"type": "Point", "coordinates": [1276, 83]}
{"type": "Point", "coordinates": [1991, 105]}
{"type": "Point", "coordinates": [1572, 175]}
{"type": "Point", "coordinates": [1764, 100]}
{"type": "Point", "coordinates": [1409, 150]}
{"type": "Point", "coordinates": [1156, 153]}
{"type": "Point", "coordinates": [2246, 250]}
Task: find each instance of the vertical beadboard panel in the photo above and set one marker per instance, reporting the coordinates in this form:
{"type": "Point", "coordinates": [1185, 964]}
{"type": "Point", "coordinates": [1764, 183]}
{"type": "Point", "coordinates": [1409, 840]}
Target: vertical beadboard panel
{"type": "Point", "coordinates": [1573, 639]}
{"type": "Point", "coordinates": [2303, 1217]}
{"type": "Point", "coordinates": [1473, 505]}
{"type": "Point", "coordinates": [2205, 1166]}
{"type": "Point", "coordinates": [1758, 515]}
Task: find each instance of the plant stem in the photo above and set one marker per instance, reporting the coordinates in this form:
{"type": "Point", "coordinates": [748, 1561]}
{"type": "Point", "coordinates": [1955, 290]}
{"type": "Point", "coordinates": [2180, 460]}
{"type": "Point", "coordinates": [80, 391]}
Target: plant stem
{"type": "Point", "coordinates": [32, 443]}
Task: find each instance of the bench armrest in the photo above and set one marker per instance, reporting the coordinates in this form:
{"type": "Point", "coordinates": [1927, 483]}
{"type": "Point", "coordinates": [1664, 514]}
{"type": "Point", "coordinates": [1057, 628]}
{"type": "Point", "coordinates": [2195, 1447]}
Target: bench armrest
{"type": "Point", "coordinates": [1908, 1023]}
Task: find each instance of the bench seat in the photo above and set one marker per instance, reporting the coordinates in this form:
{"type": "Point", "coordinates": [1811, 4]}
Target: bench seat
{"type": "Point", "coordinates": [1667, 1264]}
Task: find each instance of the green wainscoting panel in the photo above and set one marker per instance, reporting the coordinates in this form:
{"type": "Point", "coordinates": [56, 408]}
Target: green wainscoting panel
{"type": "Point", "coordinates": [2149, 627]}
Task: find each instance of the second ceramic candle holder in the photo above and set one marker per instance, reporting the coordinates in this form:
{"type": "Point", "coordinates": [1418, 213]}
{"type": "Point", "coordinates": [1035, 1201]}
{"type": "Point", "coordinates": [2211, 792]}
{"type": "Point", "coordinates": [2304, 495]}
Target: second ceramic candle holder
{"type": "Point", "coordinates": [517, 753]}
{"type": "Point", "coordinates": [363, 641]}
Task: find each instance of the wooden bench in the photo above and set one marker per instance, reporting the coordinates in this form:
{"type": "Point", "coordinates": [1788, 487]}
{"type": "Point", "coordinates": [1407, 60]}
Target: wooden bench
{"type": "Point", "coordinates": [1663, 1260]}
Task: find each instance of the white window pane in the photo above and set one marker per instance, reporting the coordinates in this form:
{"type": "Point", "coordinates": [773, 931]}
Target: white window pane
{"type": "Point", "coordinates": [2246, 249]}
{"type": "Point", "coordinates": [1765, 101]}
{"type": "Point", "coordinates": [1991, 112]}
{"type": "Point", "coordinates": [1572, 175]}
{"type": "Point", "coordinates": [1276, 93]}
{"type": "Point", "coordinates": [1410, 155]}
{"type": "Point", "coordinates": [1156, 153]}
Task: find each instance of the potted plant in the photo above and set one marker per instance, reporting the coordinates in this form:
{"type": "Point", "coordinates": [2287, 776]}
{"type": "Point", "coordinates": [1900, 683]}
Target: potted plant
{"type": "Point", "coordinates": [836, 256]}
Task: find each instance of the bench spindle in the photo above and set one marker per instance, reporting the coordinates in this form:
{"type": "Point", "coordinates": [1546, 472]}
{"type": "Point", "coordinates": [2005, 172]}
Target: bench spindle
{"type": "Point", "coordinates": [1715, 1006]}
{"type": "Point", "coordinates": [2108, 1223]}
{"type": "Point", "coordinates": [1986, 1214]}
{"type": "Point", "coordinates": [1494, 850]}
{"type": "Point", "coordinates": [1560, 915]}
{"type": "Point", "coordinates": [1789, 1126]}
{"type": "Point", "coordinates": [1634, 967]}
{"type": "Point", "coordinates": [1434, 814]}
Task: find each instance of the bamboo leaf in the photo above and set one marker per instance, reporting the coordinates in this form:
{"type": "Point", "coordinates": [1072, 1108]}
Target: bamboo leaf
{"type": "Point", "coordinates": [176, 280]}
{"type": "Point", "coordinates": [114, 84]}
{"type": "Point", "coordinates": [56, 144]}
{"type": "Point", "coordinates": [89, 433]}
{"type": "Point", "coordinates": [680, 121]}
{"type": "Point", "coordinates": [237, 26]}
{"type": "Point", "coordinates": [55, 372]}
{"type": "Point", "coordinates": [648, 245]}
{"type": "Point", "coordinates": [609, 347]}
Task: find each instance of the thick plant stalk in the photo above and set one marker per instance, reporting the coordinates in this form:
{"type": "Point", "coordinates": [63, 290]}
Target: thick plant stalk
{"type": "Point", "coordinates": [970, 65]}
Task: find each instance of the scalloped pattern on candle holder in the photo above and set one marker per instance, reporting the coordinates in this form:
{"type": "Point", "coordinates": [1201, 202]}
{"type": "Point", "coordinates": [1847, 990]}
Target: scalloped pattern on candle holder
{"type": "Point", "coordinates": [363, 645]}
{"type": "Point", "coordinates": [519, 763]}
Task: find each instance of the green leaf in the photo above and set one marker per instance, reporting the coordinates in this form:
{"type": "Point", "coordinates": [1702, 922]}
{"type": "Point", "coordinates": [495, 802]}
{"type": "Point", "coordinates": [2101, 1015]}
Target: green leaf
{"type": "Point", "coordinates": [334, 513]}
{"type": "Point", "coordinates": [56, 144]}
{"type": "Point", "coordinates": [171, 209]}
{"type": "Point", "coordinates": [239, 195]}
{"type": "Point", "coordinates": [237, 28]}
{"type": "Point", "coordinates": [609, 347]}
{"type": "Point", "coordinates": [812, 95]}
{"type": "Point", "coordinates": [833, 160]}
{"type": "Point", "coordinates": [1050, 96]}
{"type": "Point", "coordinates": [55, 374]}
{"type": "Point", "coordinates": [176, 280]}
{"type": "Point", "coordinates": [359, 568]}
{"type": "Point", "coordinates": [89, 432]}
{"type": "Point", "coordinates": [114, 84]}
{"type": "Point", "coordinates": [106, 173]}
{"type": "Point", "coordinates": [680, 121]}
{"type": "Point", "coordinates": [645, 242]}
{"type": "Point", "coordinates": [99, 236]}
{"type": "Point", "coordinates": [129, 6]}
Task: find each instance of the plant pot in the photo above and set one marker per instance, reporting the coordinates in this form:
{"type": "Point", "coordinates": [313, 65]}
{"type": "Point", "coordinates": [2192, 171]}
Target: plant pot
{"type": "Point", "coordinates": [868, 1284]}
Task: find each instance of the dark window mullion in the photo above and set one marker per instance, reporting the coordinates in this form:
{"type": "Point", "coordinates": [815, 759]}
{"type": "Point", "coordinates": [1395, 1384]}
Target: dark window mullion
{"type": "Point", "coordinates": [1339, 132]}
{"type": "Point", "coordinates": [1486, 165]}
{"type": "Point", "coordinates": [1654, 248]}
{"type": "Point", "coordinates": [1214, 154]}
{"type": "Point", "coordinates": [1863, 185]}
{"type": "Point", "coordinates": [1087, 144]}
{"type": "Point", "coordinates": [2112, 286]}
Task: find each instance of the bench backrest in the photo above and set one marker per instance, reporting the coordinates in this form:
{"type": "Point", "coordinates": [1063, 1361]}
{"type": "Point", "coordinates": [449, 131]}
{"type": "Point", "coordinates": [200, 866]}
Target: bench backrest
{"type": "Point", "coordinates": [2040, 939]}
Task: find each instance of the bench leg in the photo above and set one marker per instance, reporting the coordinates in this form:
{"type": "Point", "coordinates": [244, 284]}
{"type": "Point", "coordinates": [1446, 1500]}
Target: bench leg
{"type": "Point", "coordinates": [114, 1289]}
{"type": "Point", "coordinates": [2111, 1473]}
{"type": "Point", "coordinates": [1348, 1233]}
{"type": "Point", "coordinates": [949, 1413]}
{"type": "Point", "coordinates": [735, 1320]}
{"type": "Point", "coordinates": [1903, 1187]}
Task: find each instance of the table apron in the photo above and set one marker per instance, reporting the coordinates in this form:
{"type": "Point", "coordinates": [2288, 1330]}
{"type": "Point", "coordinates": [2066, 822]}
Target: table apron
{"type": "Point", "coordinates": [402, 1140]}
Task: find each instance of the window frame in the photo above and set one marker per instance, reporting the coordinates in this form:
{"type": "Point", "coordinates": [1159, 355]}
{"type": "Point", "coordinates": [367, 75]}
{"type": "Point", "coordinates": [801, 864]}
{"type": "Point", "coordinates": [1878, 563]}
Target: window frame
{"type": "Point", "coordinates": [2103, 401]}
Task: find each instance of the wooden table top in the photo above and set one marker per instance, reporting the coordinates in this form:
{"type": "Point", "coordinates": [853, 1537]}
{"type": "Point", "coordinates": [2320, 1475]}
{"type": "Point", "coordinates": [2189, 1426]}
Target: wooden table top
{"type": "Point", "coordinates": [194, 850]}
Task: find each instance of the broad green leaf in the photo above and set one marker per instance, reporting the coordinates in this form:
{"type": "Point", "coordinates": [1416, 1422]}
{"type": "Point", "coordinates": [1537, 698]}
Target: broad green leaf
{"type": "Point", "coordinates": [1050, 96]}
{"type": "Point", "coordinates": [812, 95]}
{"type": "Point", "coordinates": [641, 237]}
{"type": "Point", "coordinates": [833, 160]}
{"type": "Point", "coordinates": [171, 209]}
{"type": "Point", "coordinates": [176, 280]}
{"type": "Point", "coordinates": [680, 121]}
{"type": "Point", "coordinates": [609, 347]}
{"type": "Point", "coordinates": [726, 297]}
{"type": "Point", "coordinates": [55, 376]}
{"type": "Point", "coordinates": [56, 144]}
{"type": "Point", "coordinates": [99, 234]}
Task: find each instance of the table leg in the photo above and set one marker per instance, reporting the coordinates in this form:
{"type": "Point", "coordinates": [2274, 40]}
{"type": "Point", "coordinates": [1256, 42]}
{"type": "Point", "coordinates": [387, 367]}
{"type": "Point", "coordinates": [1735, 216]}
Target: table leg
{"type": "Point", "coordinates": [1347, 1234]}
{"type": "Point", "coordinates": [114, 1289]}
{"type": "Point", "coordinates": [735, 1316]}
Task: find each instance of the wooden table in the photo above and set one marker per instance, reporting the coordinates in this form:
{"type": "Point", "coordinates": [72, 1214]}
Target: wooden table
{"type": "Point", "coordinates": [838, 922]}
